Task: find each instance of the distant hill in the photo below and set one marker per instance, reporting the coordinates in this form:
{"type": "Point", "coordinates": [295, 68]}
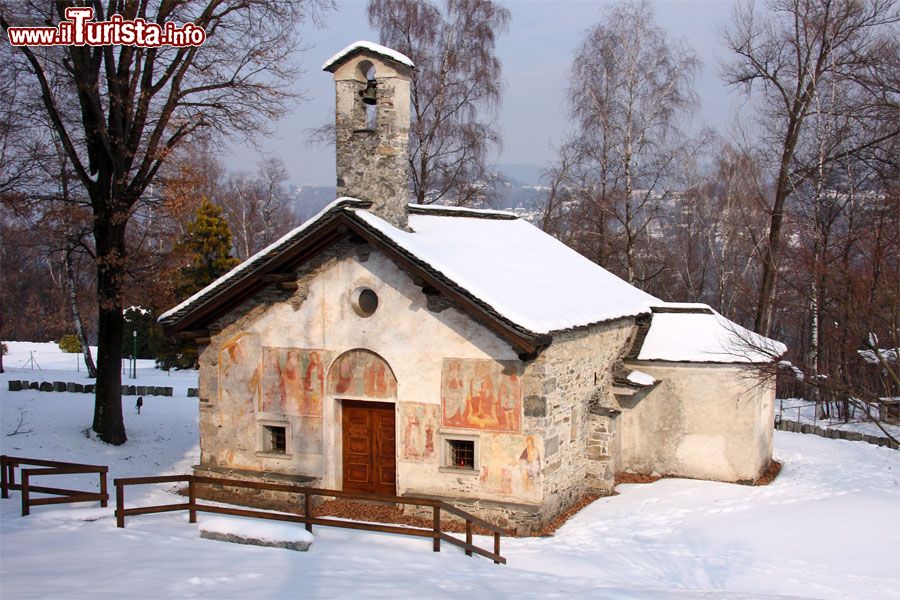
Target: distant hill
{"type": "Point", "coordinates": [307, 200]}
{"type": "Point", "coordinates": [521, 188]}
{"type": "Point", "coordinates": [524, 173]}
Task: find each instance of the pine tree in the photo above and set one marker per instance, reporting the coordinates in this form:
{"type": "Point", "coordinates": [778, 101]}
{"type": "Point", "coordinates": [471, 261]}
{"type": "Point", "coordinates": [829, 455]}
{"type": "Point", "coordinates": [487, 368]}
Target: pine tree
{"type": "Point", "coordinates": [208, 249]}
{"type": "Point", "coordinates": [208, 244]}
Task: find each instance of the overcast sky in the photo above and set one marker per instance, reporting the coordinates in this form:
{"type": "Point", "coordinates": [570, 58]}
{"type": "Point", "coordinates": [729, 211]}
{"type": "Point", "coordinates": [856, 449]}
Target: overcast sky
{"type": "Point", "coordinates": [536, 54]}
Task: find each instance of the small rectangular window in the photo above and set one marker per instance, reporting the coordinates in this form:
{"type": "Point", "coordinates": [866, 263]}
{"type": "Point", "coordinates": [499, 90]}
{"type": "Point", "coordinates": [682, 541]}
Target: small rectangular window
{"type": "Point", "coordinates": [461, 454]}
{"type": "Point", "coordinates": [276, 441]}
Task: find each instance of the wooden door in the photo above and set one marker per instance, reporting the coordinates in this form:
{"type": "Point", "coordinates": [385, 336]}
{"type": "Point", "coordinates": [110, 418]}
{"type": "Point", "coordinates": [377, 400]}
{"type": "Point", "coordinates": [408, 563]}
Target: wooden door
{"type": "Point", "coordinates": [370, 456]}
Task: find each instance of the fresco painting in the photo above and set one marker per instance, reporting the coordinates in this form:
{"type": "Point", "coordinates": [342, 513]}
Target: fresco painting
{"type": "Point", "coordinates": [293, 381]}
{"type": "Point", "coordinates": [511, 465]}
{"type": "Point", "coordinates": [479, 394]}
{"type": "Point", "coordinates": [419, 424]}
{"type": "Point", "coordinates": [309, 435]}
{"type": "Point", "coordinates": [239, 378]}
{"type": "Point", "coordinates": [362, 374]}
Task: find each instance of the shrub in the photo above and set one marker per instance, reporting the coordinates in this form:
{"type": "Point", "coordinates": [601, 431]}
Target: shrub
{"type": "Point", "coordinates": [4, 349]}
{"type": "Point", "coordinates": [70, 343]}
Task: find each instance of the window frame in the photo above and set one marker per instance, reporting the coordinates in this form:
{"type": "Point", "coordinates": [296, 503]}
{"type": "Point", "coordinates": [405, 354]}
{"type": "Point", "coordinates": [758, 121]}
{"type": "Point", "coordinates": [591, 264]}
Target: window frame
{"type": "Point", "coordinates": [446, 464]}
{"type": "Point", "coordinates": [264, 441]}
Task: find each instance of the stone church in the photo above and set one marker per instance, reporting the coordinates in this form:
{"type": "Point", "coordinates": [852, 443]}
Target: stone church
{"type": "Point", "coordinates": [391, 348]}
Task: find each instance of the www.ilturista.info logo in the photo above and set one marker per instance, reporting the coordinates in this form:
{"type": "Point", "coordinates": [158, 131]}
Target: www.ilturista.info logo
{"type": "Point", "coordinates": [79, 29]}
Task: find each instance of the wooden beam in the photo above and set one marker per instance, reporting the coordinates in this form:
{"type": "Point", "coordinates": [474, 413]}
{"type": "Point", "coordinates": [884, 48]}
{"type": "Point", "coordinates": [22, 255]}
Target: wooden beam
{"type": "Point", "coordinates": [193, 333]}
{"type": "Point", "coordinates": [279, 277]}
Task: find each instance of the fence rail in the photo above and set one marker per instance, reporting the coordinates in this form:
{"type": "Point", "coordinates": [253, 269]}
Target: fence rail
{"type": "Point", "coordinates": [436, 533]}
{"type": "Point", "coordinates": [8, 466]}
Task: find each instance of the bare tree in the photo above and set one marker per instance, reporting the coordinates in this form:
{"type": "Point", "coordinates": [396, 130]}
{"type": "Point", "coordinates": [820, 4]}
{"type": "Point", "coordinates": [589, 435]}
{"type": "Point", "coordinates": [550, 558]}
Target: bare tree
{"type": "Point", "coordinates": [20, 141]}
{"type": "Point", "coordinates": [788, 49]}
{"type": "Point", "coordinates": [630, 87]}
{"type": "Point", "coordinates": [715, 225]}
{"type": "Point", "coordinates": [256, 207]}
{"type": "Point", "coordinates": [119, 111]}
{"type": "Point", "coordinates": [456, 90]}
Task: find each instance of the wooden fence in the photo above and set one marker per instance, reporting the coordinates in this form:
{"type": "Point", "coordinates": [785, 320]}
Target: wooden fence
{"type": "Point", "coordinates": [8, 466]}
{"type": "Point", "coordinates": [193, 507]}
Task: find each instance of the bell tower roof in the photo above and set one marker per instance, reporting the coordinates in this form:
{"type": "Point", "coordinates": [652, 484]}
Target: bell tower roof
{"type": "Point", "coordinates": [361, 47]}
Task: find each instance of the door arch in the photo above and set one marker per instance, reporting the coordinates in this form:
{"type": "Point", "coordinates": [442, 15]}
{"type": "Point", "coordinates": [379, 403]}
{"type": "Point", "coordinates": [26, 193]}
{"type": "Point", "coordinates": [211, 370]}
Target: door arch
{"type": "Point", "coordinates": [361, 373]}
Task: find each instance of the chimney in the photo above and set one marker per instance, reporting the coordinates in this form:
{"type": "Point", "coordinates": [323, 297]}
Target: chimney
{"type": "Point", "coordinates": [371, 121]}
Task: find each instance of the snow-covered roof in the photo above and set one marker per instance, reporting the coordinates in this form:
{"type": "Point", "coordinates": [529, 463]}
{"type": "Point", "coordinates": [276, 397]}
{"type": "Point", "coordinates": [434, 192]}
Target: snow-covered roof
{"type": "Point", "coordinates": [510, 268]}
{"type": "Point", "coordinates": [688, 332]}
{"type": "Point", "coordinates": [641, 378]}
{"type": "Point", "coordinates": [370, 46]}
{"type": "Point", "coordinates": [522, 273]}
{"type": "Point", "coordinates": [880, 355]}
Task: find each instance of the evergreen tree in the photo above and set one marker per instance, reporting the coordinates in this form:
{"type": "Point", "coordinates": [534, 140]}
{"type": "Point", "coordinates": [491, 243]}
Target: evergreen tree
{"type": "Point", "coordinates": [208, 245]}
{"type": "Point", "coordinates": [208, 248]}
{"type": "Point", "coordinates": [143, 321]}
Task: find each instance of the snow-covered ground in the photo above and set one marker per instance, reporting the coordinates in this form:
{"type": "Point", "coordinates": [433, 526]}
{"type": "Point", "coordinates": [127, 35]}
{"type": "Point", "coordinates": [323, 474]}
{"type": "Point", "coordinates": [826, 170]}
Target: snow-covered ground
{"type": "Point", "coordinates": [802, 411]}
{"type": "Point", "coordinates": [828, 527]}
{"type": "Point", "coordinates": [50, 364]}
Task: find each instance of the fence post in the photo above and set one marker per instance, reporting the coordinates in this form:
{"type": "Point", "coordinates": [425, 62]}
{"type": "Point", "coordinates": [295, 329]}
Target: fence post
{"type": "Point", "coordinates": [307, 510]}
{"type": "Point", "coordinates": [104, 492]}
{"type": "Point", "coordinates": [4, 482]}
{"type": "Point", "coordinates": [496, 548]}
{"type": "Point", "coordinates": [192, 501]}
{"type": "Point", "coordinates": [120, 504]}
{"type": "Point", "coordinates": [436, 527]}
{"type": "Point", "coordinates": [468, 536]}
{"type": "Point", "coordinates": [26, 509]}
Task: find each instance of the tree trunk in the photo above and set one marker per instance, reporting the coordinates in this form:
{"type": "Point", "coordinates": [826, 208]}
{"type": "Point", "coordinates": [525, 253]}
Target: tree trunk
{"type": "Point", "coordinates": [110, 240]}
{"type": "Point", "coordinates": [76, 318]}
{"type": "Point", "coordinates": [1, 339]}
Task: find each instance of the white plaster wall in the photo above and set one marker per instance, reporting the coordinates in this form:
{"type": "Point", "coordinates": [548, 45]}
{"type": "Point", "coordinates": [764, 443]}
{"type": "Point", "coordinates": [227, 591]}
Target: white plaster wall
{"type": "Point", "coordinates": [410, 338]}
{"type": "Point", "coordinates": [702, 421]}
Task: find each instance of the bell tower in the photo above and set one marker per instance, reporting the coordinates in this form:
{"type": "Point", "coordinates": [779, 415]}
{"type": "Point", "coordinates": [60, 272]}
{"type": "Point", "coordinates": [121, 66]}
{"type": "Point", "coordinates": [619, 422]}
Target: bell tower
{"type": "Point", "coordinates": [371, 118]}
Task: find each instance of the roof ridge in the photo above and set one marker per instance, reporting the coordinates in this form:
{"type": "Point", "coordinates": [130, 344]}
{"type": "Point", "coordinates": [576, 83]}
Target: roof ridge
{"type": "Point", "coordinates": [439, 210]}
{"type": "Point", "coordinates": [696, 310]}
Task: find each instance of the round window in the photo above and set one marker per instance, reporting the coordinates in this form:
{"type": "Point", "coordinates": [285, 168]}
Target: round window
{"type": "Point", "coordinates": [365, 301]}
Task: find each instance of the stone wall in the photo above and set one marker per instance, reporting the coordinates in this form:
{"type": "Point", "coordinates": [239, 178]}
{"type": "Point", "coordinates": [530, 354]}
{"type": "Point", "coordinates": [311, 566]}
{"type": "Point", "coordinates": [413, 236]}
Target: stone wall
{"type": "Point", "coordinates": [373, 162]}
{"type": "Point", "coordinates": [703, 421]}
{"type": "Point", "coordinates": [835, 434]}
{"type": "Point", "coordinates": [564, 387]}
{"type": "Point", "coordinates": [600, 468]}
{"type": "Point", "coordinates": [16, 385]}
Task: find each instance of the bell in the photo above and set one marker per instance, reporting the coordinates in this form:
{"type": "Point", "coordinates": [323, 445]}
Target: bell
{"type": "Point", "coordinates": [368, 95]}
